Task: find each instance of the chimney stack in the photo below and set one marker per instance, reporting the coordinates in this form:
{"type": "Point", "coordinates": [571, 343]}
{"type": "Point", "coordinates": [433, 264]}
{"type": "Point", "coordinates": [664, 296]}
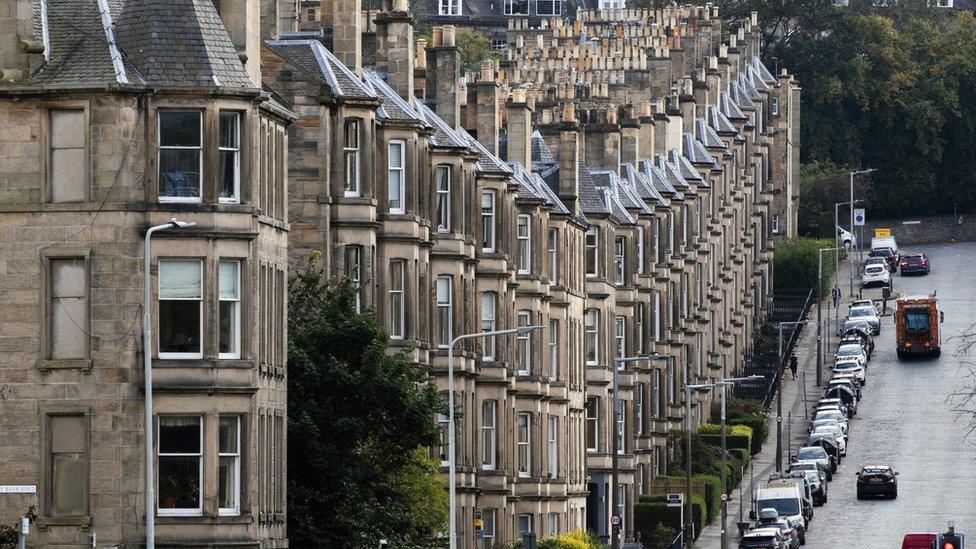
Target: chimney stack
{"type": "Point", "coordinates": [19, 47]}
{"type": "Point", "coordinates": [343, 16]}
{"type": "Point", "coordinates": [486, 107]}
{"type": "Point", "coordinates": [629, 138]}
{"type": "Point", "coordinates": [646, 136]}
{"type": "Point", "coordinates": [519, 130]}
{"type": "Point", "coordinates": [394, 31]}
{"type": "Point", "coordinates": [243, 23]}
{"type": "Point", "coordinates": [443, 78]}
{"type": "Point", "coordinates": [569, 159]}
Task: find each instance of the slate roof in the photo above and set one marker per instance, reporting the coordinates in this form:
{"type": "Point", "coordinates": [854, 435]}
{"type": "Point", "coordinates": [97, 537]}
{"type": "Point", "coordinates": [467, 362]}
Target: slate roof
{"type": "Point", "coordinates": [656, 176]}
{"type": "Point", "coordinates": [540, 151]}
{"type": "Point", "coordinates": [312, 58]}
{"type": "Point", "coordinates": [684, 168]}
{"type": "Point", "coordinates": [707, 134]}
{"type": "Point", "coordinates": [745, 83]}
{"type": "Point", "coordinates": [673, 173]}
{"type": "Point", "coordinates": [444, 135]}
{"type": "Point", "coordinates": [392, 106]}
{"type": "Point", "coordinates": [590, 199]}
{"type": "Point", "coordinates": [730, 108]}
{"type": "Point", "coordinates": [696, 153]}
{"type": "Point", "coordinates": [763, 71]}
{"type": "Point", "coordinates": [487, 162]}
{"type": "Point", "coordinates": [606, 187]}
{"type": "Point", "coordinates": [641, 182]}
{"type": "Point", "coordinates": [719, 122]}
{"type": "Point", "coordinates": [756, 80]}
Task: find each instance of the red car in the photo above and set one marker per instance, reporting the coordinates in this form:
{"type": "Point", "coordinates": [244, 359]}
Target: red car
{"type": "Point", "coordinates": [914, 263]}
{"type": "Point", "coordinates": [919, 541]}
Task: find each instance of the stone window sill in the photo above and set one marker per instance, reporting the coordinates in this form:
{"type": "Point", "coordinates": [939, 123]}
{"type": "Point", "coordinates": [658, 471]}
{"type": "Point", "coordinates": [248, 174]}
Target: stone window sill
{"type": "Point", "coordinates": [203, 363]}
{"type": "Point", "coordinates": [44, 522]}
{"type": "Point", "coordinates": [197, 519]}
{"type": "Point", "coordinates": [65, 364]}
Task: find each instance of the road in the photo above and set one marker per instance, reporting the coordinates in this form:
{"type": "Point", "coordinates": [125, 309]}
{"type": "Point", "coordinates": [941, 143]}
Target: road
{"type": "Point", "coordinates": [906, 421]}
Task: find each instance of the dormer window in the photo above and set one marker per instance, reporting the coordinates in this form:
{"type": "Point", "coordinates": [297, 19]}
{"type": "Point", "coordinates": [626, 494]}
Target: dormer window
{"type": "Point", "coordinates": [548, 7]}
{"type": "Point", "coordinates": [612, 4]}
{"type": "Point", "coordinates": [516, 7]}
{"type": "Point", "coordinates": [449, 7]}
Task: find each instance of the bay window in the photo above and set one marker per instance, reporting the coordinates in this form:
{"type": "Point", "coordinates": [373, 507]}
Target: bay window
{"type": "Point", "coordinates": [593, 424]}
{"type": "Point", "coordinates": [592, 243]}
{"type": "Point", "coordinates": [229, 169]}
{"type": "Point", "coordinates": [445, 311]}
{"type": "Point", "coordinates": [591, 339]}
{"type": "Point", "coordinates": [524, 344]}
{"type": "Point", "coordinates": [229, 467]}
{"type": "Point", "coordinates": [488, 221]}
{"type": "Point", "coordinates": [620, 338]}
{"type": "Point", "coordinates": [489, 433]}
{"type": "Point", "coordinates": [396, 311]}
{"type": "Point", "coordinates": [553, 350]}
{"type": "Point", "coordinates": [619, 276]}
{"type": "Point", "coordinates": [523, 443]}
{"type": "Point", "coordinates": [523, 235]}
{"type": "Point", "coordinates": [180, 308]}
{"type": "Point", "coordinates": [229, 296]}
{"type": "Point", "coordinates": [395, 175]}
{"type": "Point", "coordinates": [554, 256]}
{"type": "Point", "coordinates": [350, 153]}
{"type": "Point", "coordinates": [552, 440]}
{"type": "Point", "coordinates": [180, 470]}
{"type": "Point", "coordinates": [180, 155]}
{"type": "Point", "coordinates": [488, 300]}
{"type": "Point", "coordinates": [443, 187]}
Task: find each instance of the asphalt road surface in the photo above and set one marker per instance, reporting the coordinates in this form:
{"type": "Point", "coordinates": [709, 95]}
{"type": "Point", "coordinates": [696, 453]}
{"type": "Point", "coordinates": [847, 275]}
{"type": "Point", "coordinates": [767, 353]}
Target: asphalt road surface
{"type": "Point", "coordinates": [907, 419]}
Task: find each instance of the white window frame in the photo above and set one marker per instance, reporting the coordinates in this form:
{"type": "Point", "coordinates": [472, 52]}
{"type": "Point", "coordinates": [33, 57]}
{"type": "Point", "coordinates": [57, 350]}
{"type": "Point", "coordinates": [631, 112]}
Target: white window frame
{"type": "Point", "coordinates": [396, 292]}
{"type": "Point", "coordinates": [180, 512]}
{"type": "Point", "coordinates": [639, 328]}
{"type": "Point", "coordinates": [509, 8]}
{"type": "Point", "coordinates": [444, 422]}
{"type": "Point", "coordinates": [489, 434]}
{"type": "Point", "coordinates": [523, 461]}
{"type": "Point", "coordinates": [442, 184]}
{"type": "Point", "coordinates": [352, 164]}
{"type": "Point", "coordinates": [160, 147]}
{"type": "Point", "coordinates": [639, 408]}
{"type": "Point", "coordinates": [449, 7]}
{"type": "Point", "coordinates": [400, 172]}
{"type": "Point", "coordinates": [557, 8]}
{"type": "Point", "coordinates": [619, 260]}
{"type": "Point", "coordinates": [640, 473]}
{"type": "Point", "coordinates": [621, 427]}
{"type": "Point", "coordinates": [177, 356]}
{"type": "Point", "coordinates": [553, 526]}
{"type": "Point", "coordinates": [620, 338]}
{"type": "Point", "coordinates": [774, 106]}
{"type": "Point", "coordinates": [445, 310]}
{"type": "Point", "coordinates": [620, 498]}
{"type": "Point", "coordinates": [591, 327]}
{"type": "Point", "coordinates": [236, 352]}
{"type": "Point", "coordinates": [553, 246]}
{"type": "Point", "coordinates": [236, 198]}
{"type": "Point", "coordinates": [593, 420]}
{"type": "Point", "coordinates": [656, 393]}
{"type": "Point", "coordinates": [523, 235]}
{"type": "Point", "coordinates": [528, 520]}
{"type": "Point", "coordinates": [775, 224]}
{"type": "Point", "coordinates": [553, 349]}
{"type": "Point", "coordinates": [354, 270]}
{"type": "Point", "coordinates": [552, 443]}
{"type": "Point", "coordinates": [489, 305]}
{"type": "Point", "coordinates": [524, 340]}
{"type": "Point", "coordinates": [592, 245]}
{"type": "Point", "coordinates": [488, 220]}
{"type": "Point", "coordinates": [236, 508]}
{"type": "Point", "coordinates": [488, 517]}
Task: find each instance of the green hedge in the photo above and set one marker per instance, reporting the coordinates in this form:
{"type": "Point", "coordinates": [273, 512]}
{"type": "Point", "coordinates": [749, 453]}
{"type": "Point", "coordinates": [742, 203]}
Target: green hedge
{"type": "Point", "coordinates": [713, 495]}
{"type": "Point", "coordinates": [759, 431]}
{"type": "Point", "coordinates": [650, 511]}
{"type": "Point", "coordinates": [795, 264]}
{"type": "Point", "coordinates": [742, 440]}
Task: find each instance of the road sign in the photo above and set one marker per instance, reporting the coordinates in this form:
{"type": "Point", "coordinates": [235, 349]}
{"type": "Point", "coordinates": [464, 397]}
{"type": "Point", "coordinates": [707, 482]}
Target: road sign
{"type": "Point", "coordinates": [615, 520]}
{"type": "Point", "coordinates": [878, 233]}
{"type": "Point", "coordinates": [675, 500]}
{"type": "Point", "coordinates": [858, 217]}
{"type": "Point", "coordinates": [18, 489]}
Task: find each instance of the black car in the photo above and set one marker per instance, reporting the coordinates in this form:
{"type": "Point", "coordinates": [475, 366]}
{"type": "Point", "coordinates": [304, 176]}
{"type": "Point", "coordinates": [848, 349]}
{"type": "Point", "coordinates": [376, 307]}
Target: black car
{"type": "Point", "coordinates": [864, 335]}
{"type": "Point", "coordinates": [889, 255]}
{"type": "Point", "coordinates": [914, 263]}
{"type": "Point", "coordinates": [877, 480]}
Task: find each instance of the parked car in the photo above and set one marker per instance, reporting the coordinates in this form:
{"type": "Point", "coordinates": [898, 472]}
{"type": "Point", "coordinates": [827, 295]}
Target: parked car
{"type": "Point", "coordinates": [851, 378]}
{"type": "Point", "coordinates": [831, 422]}
{"type": "Point", "coordinates": [877, 261]}
{"type": "Point", "coordinates": [851, 352]}
{"type": "Point", "coordinates": [819, 455]}
{"type": "Point", "coordinates": [851, 367]}
{"type": "Point", "coordinates": [914, 263]}
{"type": "Point", "coordinates": [857, 303]}
{"type": "Point", "coordinates": [828, 444]}
{"type": "Point", "coordinates": [853, 384]}
{"type": "Point", "coordinates": [877, 480]}
{"type": "Point", "coordinates": [769, 518]}
{"type": "Point", "coordinates": [846, 238]}
{"type": "Point", "coordinates": [863, 335]}
{"type": "Point", "coordinates": [920, 541]}
{"type": "Point", "coordinates": [833, 436]}
{"type": "Point", "coordinates": [845, 394]}
{"type": "Point", "coordinates": [890, 256]}
{"type": "Point", "coordinates": [833, 404]}
{"type": "Point", "coordinates": [835, 430]}
{"type": "Point", "coordinates": [817, 477]}
{"type": "Point", "coordinates": [888, 242]}
{"type": "Point", "coordinates": [866, 314]}
{"type": "Point", "coordinates": [875, 275]}
{"type": "Point", "coordinates": [858, 324]}
{"type": "Point", "coordinates": [835, 412]}
{"type": "Point", "coordinates": [763, 538]}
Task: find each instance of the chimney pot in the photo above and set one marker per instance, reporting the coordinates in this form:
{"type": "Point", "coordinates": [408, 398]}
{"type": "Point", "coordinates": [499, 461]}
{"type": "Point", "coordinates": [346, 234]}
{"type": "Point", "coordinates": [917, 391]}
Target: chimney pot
{"type": "Point", "coordinates": [448, 35]}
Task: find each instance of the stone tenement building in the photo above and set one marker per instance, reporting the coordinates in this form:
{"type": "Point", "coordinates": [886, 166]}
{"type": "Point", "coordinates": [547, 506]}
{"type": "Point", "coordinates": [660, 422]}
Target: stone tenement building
{"type": "Point", "coordinates": [617, 179]}
{"type": "Point", "coordinates": [115, 117]}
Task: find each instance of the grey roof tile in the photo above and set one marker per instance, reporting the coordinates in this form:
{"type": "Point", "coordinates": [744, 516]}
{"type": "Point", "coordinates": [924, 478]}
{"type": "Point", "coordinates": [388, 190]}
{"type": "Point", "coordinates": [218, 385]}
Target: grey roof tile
{"type": "Point", "coordinates": [673, 174]}
{"type": "Point", "coordinates": [444, 135]}
{"type": "Point", "coordinates": [487, 162]}
{"type": "Point", "coordinates": [80, 54]}
{"type": "Point", "coordinates": [658, 179]}
{"type": "Point", "coordinates": [540, 151]}
{"type": "Point", "coordinates": [730, 108]}
{"type": "Point", "coordinates": [392, 106]}
{"type": "Point", "coordinates": [719, 122]}
{"type": "Point", "coordinates": [641, 184]}
{"type": "Point", "coordinates": [312, 58]}
{"type": "Point", "coordinates": [707, 134]}
{"type": "Point", "coordinates": [763, 71]}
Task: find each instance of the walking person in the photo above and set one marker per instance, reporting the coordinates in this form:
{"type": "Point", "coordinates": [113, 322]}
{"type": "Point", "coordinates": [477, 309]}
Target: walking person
{"type": "Point", "coordinates": [793, 365]}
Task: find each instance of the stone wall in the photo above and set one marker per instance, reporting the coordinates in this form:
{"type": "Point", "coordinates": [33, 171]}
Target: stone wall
{"type": "Point", "coordinates": [926, 230]}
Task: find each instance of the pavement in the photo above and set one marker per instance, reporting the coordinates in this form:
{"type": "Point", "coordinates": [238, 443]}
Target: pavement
{"type": "Point", "coordinates": [798, 399]}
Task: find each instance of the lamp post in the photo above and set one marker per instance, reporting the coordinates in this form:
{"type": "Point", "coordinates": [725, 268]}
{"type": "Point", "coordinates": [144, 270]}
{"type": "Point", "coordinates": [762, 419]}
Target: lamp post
{"type": "Point", "coordinates": [820, 253]}
{"type": "Point", "coordinates": [147, 374]}
{"type": "Point", "coordinates": [779, 394]}
{"type": "Point", "coordinates": [859, 244]}
{"type": "Point", "coordinates": [452, 454]}
{"type": "Point", "coordinates": [614, 458]}
{"type": "Point", "coordinates": [837, 243]}
{"type": "Point", "coordinates": [688, 387]}
{"type": "Point", "coordinates": [725, 496]}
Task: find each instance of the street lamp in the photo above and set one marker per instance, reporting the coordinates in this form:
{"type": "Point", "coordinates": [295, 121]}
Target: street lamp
{"type": "Point", "coordinates": [859, 244]}
{"type": "Point", "coordinates": [688, 510]}
{"type": "Point", "coordinates": [779, 393]}
{"type": "Point", "coordinates": [725, 497]}
{"type": "Point", "coordinates": [837, 241]}
{"type": "Point", "coordinates": [147, 373]}
{"type": "Point", "coordinates": [820, 253]}
{"type": "Point", "coordinates": [614, 458]}
{"type": "Point", "coordinates": [452, 457]}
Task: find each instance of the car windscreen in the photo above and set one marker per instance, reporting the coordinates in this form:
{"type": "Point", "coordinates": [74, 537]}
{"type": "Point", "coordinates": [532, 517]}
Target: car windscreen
{"type": "Point", "coordinates": [849, 350]}
{"type": "Point", "coordinates": [857, 313]}
{"type": "Point", "coordinates": [916, 320]}
{"type": "Point", "coordinates": [811, 453]}
{"type": "Point", "coordinates": [830, 415]}
{"type": "Point", "coordinates": [881, 252]}
{"type": "Point", "coordinates": [783, 506]}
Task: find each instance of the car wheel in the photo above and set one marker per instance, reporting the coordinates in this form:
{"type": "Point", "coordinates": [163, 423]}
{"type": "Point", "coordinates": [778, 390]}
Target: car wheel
{"type": "Point", "coordinates": [894, 494]}
{"type": "Point", "coordinates": [860, 495]}
{"type": "Point", "coordinates": [901, 354]}
{"type": "Point", "coordinates": [937, 353]}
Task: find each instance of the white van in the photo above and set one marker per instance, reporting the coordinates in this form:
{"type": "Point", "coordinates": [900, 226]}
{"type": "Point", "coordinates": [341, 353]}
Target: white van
{"type": "Point", "coordinates": [846, 238]}
{"type": "Point", "coordinates": [787, 497]}
{"type": "Point", "coordinates": [884, 242]}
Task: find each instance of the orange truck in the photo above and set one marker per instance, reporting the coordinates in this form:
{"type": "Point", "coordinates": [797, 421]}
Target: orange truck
{"type": "Point", "coordinates": [917, 321]}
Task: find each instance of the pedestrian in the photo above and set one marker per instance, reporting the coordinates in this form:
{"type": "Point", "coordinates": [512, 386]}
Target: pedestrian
{"type": "Point", "coordinates": [793, 366]}
{"type": "Point", "coordinates": [836, 295]}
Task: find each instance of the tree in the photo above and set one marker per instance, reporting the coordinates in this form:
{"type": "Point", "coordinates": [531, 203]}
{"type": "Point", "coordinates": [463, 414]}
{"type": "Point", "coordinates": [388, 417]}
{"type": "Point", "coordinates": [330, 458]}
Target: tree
{"type": "Point", "coordinates": [359, 419]}
{"type": "Point", "coordinates": [474, 49]}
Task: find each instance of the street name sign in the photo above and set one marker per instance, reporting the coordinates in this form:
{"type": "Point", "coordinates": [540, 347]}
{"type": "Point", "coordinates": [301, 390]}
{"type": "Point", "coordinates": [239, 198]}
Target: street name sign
{"type": "Point", "coordinates": [675, 500]}
{"type": "Point", "coordinates": [18, 489]}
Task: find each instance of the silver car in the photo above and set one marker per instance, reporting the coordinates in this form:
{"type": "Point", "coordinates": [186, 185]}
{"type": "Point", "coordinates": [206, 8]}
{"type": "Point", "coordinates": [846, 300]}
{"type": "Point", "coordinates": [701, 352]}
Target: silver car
{"type": "Point", "coordinates": [866, 314]}
{"type": "Point", "coordinates": [851, 351]}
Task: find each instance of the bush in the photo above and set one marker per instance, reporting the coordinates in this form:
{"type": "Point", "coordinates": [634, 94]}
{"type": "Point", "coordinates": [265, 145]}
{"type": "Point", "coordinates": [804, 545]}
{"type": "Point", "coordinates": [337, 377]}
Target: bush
{"type": "Point", "coordinates": [712, 495]}
{"type": "Point", "coordinates": [795, 264]}
{"type": "Point", "coordinates": [736, 436]}
{"type": "Point", "coordinates": [759, 430]}
{"type": "Point", "coordinates": [738, 407]}
{"type": "Point", "coordinates": [649, 515]}
{"type": "Point", "coordinates": [571, 540]}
